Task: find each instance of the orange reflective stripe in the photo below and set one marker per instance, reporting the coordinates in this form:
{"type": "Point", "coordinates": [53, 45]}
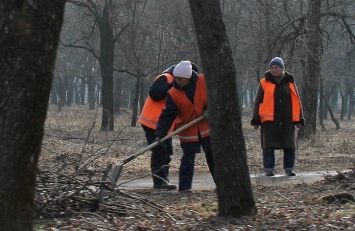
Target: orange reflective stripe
{"type": "Point", "coordinates": [205, 132]}
{"type": "Point", "coordinates": [189, 111]}
{"type": "Point", "coordinates": [267, 117]}
{"type": "Point", "coordinates": [148, 121]}
{"type": "Point", "coordinates": [188, 138]}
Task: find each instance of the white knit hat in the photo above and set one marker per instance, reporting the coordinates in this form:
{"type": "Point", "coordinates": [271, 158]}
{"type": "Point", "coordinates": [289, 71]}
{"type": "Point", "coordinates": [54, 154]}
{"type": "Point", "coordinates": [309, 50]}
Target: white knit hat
{"type": "Point", "coordinates": [183, 69]}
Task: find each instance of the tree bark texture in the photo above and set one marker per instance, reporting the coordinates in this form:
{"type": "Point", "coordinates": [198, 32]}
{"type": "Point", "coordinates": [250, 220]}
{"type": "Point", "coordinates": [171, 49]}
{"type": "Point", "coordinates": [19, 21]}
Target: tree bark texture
{"type": "Point", "coordinates": [106, 64]}
{"type": "Point", "coordinates": [235, 195]}
{"type": "Point", "coordinates": [91, 91]}
{"type": "Point", "coordinates": [28, 44]}
{"type": "Point", "coordinates": [311, 80]}
{"type": "Point", "coordinates": [117, 102]}
{"type": "Point", "coordinates": [135, 101]}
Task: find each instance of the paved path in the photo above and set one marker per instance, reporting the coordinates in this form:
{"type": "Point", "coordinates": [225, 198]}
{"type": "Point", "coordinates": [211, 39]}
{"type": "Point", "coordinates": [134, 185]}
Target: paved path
{"type": "Point", "coordinates": [205, 182]}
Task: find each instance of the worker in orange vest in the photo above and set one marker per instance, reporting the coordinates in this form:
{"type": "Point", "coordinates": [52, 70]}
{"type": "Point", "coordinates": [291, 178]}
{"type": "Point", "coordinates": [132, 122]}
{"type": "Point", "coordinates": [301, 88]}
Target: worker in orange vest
{"type": "Point", "coordinates": [278, 110]}
{"type": "Point", "coordinates": [187, 100]}
{"type": "Point", "coordinates": [155, 102]}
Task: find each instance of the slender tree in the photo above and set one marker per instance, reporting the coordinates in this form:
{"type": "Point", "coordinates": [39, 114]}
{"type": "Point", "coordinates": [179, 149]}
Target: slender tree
{"type": "Point", "coordinates": [28, 43]}
{"type": "Point", "coordinates": [104, 20]}
{"type": "Point", "coordinates": [235, 195]}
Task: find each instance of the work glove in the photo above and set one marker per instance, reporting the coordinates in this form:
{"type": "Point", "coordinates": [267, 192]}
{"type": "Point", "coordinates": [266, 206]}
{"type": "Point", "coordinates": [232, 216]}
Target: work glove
{"type": "Point", "coordinates": [157, 139]}
{"type": "Point", "coordinates": [159, 135]}
{"type": "Point", "coordinates": [205, 113]}
{"type": "Point", "coordinates": [256, 127]}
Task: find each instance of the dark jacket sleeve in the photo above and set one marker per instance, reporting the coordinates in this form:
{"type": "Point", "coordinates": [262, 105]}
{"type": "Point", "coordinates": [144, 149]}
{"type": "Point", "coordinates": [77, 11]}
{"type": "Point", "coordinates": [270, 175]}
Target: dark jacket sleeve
{"type": "Point", "coordinates": [258, 100]}
{"type": "Point", "coordinates": [159, 88]}
{"type": "Point", "coordinates": [167, 117]}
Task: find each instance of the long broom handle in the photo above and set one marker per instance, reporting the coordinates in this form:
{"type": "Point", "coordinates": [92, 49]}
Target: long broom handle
{"type": "Point", "coordinates": [156, 143]}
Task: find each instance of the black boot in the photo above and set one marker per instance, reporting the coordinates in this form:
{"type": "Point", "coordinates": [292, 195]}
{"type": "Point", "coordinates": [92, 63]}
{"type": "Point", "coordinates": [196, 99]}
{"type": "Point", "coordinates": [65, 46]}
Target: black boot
{"type": "Point", "coordinates": [290, 173]}
{"type": "Point", "coordinates": [165, 185]}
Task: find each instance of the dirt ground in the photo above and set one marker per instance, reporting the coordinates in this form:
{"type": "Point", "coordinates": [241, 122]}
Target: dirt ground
{"type": "Point", "coordinates": [75, 154]}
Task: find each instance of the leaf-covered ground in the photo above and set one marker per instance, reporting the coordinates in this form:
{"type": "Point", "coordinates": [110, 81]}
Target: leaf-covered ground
{"type": "Point", "coordinates": [75, 154]}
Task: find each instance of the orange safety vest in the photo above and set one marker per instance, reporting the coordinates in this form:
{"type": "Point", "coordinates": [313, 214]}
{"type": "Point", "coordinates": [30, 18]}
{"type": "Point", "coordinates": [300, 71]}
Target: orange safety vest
{"type": "Point", "coordinates": [152, 109]}
{"type": "Point", "coordinates": [188, 111]}
{"type": "Point", "coordinates": [266, 108]}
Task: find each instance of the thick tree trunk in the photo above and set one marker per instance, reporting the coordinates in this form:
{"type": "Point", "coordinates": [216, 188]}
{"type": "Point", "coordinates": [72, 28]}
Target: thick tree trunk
{"type": "Point", "coordinates": [235, 195]}
{"type": "Point", "coordinates": [28, 44]}
{"type": "Point", "coordinates": [106, 64]}
{"type": "Point", "coordinates": [311, 80]}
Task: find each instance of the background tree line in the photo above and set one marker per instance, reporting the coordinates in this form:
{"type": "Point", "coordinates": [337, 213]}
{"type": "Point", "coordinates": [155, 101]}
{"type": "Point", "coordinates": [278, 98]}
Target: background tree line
{"type": "Point", "coordinates": [111, 50]}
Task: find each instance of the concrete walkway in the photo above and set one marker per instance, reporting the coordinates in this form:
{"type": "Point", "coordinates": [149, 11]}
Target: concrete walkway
{"type": "Point", "coordinates": [205, 182]}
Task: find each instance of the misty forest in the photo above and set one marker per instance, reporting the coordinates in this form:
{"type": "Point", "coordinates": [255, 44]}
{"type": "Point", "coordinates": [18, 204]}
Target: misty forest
{"type": "Point", "coordinates": [74, 78]}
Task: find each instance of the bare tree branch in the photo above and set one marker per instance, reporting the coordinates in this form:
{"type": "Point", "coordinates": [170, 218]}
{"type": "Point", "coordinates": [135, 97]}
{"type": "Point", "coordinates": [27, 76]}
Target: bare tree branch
{"type": "Point", "coordinates": [88, 47]}
{"type": "Point", "coordinates": [120, 32]}
{"type": "Point", "coordinates": [91, 7]}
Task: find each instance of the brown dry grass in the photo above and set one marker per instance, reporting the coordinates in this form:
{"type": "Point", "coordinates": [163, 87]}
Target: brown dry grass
{"type": "Point", "coordinates": [75, 134]}
{"type": "Point", "coordinates": [72, 139]}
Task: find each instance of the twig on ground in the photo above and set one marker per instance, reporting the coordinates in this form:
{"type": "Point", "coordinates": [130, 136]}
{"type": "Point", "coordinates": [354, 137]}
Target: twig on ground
{"type": "Point", "coordinates": [279, 194]}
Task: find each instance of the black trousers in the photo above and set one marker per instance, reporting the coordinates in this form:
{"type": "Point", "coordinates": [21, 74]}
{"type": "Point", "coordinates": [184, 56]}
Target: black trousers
{"type": "Point", "coordinates": [187, 164]}
{"type": "Point", "coordinates": [160, 158]}
{"type": "Point", "coordinates": [269, 158]}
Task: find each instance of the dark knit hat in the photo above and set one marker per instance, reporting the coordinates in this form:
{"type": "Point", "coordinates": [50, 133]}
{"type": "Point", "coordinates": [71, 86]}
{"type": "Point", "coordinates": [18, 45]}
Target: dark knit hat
{"type": "Point", "coordinates": [194, 67]}
{"type": "Point", "coordinates": [278, 62]}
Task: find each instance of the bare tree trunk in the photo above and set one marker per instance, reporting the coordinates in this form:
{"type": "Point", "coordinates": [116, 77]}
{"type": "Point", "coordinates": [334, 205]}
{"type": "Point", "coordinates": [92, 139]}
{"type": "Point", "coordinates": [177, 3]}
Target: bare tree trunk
{"type": "Point", "coordinates": [311, 80]}
{"type": "Point", "coordinates": [53, 96]}
{"type": "Point", "coordinates": [106, 64]}
{"type": "Point", "coordinates": [82, 91]}
{"type": "Point", "coordinates": [251, 95]}
{"type": "Point", "coordinates": [321, 107]}
{"type": "Point", "coordinates": [336, 122]}
{"type": "Point", "coordinates": [136, 100]}
{"type": "Point", "coordinates": [28, 44]}
{"type": "Point", "coordinates": [351, 102]}
{"type": "Point", "coordinates": [61, 88]}
{"type": "Point", "coordinates": [106, 57]}
{"type": "Point", "coordinates": [342, 96]}
{"type": "Point", "coordinates": [142, 97]}
{"type": "Point", "coordinates": [117, 95]}
{"type": "Point", "coordinates": [70, 91]}
{"type": "Point", "coordinates": [328, 105]}
{"type": "Point", "coordinates": [231, 166]}
{"type": "Point", "coordinates": [91, 92]}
